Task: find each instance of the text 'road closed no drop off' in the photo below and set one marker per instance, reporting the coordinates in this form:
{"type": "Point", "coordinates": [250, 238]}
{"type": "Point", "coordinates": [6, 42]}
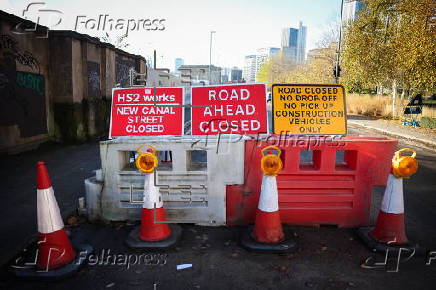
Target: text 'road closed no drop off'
{"type": "Point", "coordinates": [309, 109]}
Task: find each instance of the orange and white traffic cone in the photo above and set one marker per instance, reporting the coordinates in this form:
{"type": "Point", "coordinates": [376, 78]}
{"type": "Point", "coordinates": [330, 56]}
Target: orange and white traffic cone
{"type": "Point", "coordinates": [267, 234]}
{"type": "Point", "coordinates": [152, 211]}
{"type": "Point", "coordinates": [55, 249]}
{"type": "Point", "coordinates": [154, 231]}
{"type": "Point", "coordinates": [268, 226]}
{"type": "Point", "coordinates": [390, 226]}
{"type": "Point", "coordinates": [55, 258]}
{"type": "Point", "coordinates": [389, 231]}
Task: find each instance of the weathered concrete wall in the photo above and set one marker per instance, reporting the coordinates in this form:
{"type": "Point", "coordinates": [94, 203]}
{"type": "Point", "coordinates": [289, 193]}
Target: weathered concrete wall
{"type": "Point", "coordinates": [123, 64]}
{"type": "Point", "coordinates": [77, 65]}
{"type": "Point", "coordinates": [24, 88]}
{"type": "Point", "coordinates": [57, 87]}
{"type": "Point", "coordinates": [62, 85]}
{"type": "Point", "coordinates": [109, 79]}
{"type": "Point", "coordinates": [96, 69]}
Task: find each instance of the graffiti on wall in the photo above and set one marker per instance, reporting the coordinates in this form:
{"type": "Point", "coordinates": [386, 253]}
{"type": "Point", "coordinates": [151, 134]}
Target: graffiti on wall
{"type": "Point", "coordinates": [122, 69]}
{"type": "Point", "coordinates": [22, 94]}
{"type": "Point", "coordinates": [32, 81]}
{"type": "Point", "coordinates": [93, 79]}
{"type": "Point", "coordinates": [9, 49]}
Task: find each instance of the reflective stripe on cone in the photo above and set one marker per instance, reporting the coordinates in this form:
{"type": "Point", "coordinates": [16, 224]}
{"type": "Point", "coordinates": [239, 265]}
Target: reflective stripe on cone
{"type": "Point", "coordinates": [393, 201]}
{"type": "Point", "coordinates": [268, 200]}
{"type": "Point", "coordinates": [152, 198]}
{"type": "Point", "coordinates": [49, 216]}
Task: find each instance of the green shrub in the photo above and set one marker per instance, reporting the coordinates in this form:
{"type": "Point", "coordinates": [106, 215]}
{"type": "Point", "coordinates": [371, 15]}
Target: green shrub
{"type": "Point", "coordinates": [427, 122]}
{"type": "Point", "coordinates": [429, 102]}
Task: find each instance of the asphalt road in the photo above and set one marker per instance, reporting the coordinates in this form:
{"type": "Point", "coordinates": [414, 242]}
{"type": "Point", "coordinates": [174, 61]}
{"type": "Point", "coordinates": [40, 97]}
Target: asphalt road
{"type": "Point", "coordinates": [68, 166]}
{"type": "Point", "coordinates": [327, 258]}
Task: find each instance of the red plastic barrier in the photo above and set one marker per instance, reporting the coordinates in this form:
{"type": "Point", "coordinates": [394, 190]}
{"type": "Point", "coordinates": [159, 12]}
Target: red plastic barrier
{"type": "Point", "coordinates": [333, 188]}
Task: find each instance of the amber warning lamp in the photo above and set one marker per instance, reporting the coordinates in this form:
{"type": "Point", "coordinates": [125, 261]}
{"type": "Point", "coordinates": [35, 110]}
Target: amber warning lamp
{"type": "Point", "coordinates": [404, 166]}
{"type": "Point", "coordinates": [271, 164]}
{"type": "Point", "coordinates": [146, 161]}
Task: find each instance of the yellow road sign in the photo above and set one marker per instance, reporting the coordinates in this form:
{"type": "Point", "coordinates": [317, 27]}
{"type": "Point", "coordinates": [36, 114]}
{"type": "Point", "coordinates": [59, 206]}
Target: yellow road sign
{"type": "Point", "coordinates": [309, 109]}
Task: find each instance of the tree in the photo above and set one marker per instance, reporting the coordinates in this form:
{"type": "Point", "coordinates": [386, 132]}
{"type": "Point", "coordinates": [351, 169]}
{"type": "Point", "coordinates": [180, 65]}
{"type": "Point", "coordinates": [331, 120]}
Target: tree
{"type": "Point", "coordinates": [118, 42]}
{"type": "Point", "coordinates": [392, 44]}
{"type": "Point", "coordinates": [318, 67]}
{"type": "Point", "coordinates": [276, 69]}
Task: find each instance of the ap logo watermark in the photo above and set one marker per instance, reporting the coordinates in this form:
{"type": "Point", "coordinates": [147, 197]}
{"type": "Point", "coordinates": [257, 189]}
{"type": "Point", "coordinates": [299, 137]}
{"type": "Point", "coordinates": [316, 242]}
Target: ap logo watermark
{"type": "Point", "coordinates": [20, 263]}
{"type": "Point", "coordinates": [44, 19]}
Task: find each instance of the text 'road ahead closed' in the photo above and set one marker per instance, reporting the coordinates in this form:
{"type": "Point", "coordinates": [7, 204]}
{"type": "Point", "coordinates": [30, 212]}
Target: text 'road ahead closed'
{"type": "Point", "coordinates": [232, 109]}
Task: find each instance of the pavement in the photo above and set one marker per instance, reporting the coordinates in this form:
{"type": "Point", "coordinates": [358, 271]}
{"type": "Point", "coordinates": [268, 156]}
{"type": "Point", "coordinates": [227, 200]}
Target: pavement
{"type": "Point", "coordinates": [327, 257]}
{"type": "Point", "coordinates": [417, 135]}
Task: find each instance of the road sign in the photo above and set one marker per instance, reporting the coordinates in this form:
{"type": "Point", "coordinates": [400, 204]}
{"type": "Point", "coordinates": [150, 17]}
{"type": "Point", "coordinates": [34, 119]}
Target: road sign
{"type": "Point", "coordinates": [146, 111]}
{"type": "Point", "coordinates": [308, 109]}
{"type": "Point", "coordinates": [229, 109]}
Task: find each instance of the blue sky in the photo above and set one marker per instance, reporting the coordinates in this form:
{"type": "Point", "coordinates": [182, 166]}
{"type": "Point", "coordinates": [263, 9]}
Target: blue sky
{"type": "Point", "coordinates": [242, 26]}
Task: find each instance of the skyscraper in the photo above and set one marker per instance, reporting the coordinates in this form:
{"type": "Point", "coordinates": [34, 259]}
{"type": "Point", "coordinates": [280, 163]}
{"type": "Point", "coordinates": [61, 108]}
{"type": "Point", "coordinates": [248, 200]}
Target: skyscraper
{"type": "Point", "coordinates": [178, 63]}
{"type": "Point", "coordinates": [294, 42]}
{"type": "Point", "coordinates": [350, 10]}
{"type": "Point", "coordinates": [263, 54]}
{"type": "Point", "coordinates": [236, 75]}
{"type": "Point", "coordinates": [249, 71]}
{"type": "Point", "coordinates": [254, 62]}
{"type": "Point", "coordinates": [225, 75]}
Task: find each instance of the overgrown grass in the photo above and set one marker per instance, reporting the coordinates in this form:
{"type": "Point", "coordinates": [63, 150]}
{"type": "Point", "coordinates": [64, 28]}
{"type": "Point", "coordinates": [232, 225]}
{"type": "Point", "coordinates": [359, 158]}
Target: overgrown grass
{"type": "Point", "coordinates": [380, 106]}
{"type": "Point", "coordinates": [369, 105]}
{"type": "Point", "coordinates": [429, 112]}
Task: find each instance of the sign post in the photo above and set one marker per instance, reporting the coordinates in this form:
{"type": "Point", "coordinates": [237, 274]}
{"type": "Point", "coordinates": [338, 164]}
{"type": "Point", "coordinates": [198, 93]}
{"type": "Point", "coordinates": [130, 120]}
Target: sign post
{"type": "Point", "coordinates": [309, 109]}
{"type": "Point", "coordinates": [229, 109]}
{"type": "Point", "coordinates": [146, 111]}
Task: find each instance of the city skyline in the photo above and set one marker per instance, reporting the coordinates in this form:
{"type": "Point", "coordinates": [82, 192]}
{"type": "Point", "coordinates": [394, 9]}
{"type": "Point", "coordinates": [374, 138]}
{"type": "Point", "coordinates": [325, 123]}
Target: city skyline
{"type": "Point", "coordinates": [294, 42]}
{"type": "Point", "coordinates": [253, 63]}
{"type": "Point", "coordinates": [293, 45]}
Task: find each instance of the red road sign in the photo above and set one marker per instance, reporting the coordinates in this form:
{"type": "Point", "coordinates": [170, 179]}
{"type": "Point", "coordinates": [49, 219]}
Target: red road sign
{"type": "Point", "coordinates": [232, 109]}
{"type": "Point", "coordinates": [138, 112]}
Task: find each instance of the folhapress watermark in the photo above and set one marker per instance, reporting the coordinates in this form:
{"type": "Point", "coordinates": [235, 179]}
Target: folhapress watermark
{"type": "Point", "coordinates": [107, 23]}
{"type": "Point", "coordinates": [45, 19]}
{"type": "Point", "coordinates": [106, 258]}
{"type": "Point", "coordinates": [103, 258]}
{"type": "Point", "coordinates": [394, 258]}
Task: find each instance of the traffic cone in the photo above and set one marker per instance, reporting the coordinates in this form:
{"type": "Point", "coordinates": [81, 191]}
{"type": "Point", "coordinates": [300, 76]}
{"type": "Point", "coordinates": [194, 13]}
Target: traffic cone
{"type": "Point", "coordinates": [268, 226]}
{"type": "Point", "coordinates": [267, 234]}
{"type": "Point", "coordinates": [154, 231]}
{"type": "Point", "coordinates": [389, 232]}
{"type": "Point", "coordinates": [152, 210]}
{"type": "Point", "coordinates": [390, 226]}
{"type": "Point", "coordinates": [55, 257]}
{"type": "Point", "coordinates": [55, 249]}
